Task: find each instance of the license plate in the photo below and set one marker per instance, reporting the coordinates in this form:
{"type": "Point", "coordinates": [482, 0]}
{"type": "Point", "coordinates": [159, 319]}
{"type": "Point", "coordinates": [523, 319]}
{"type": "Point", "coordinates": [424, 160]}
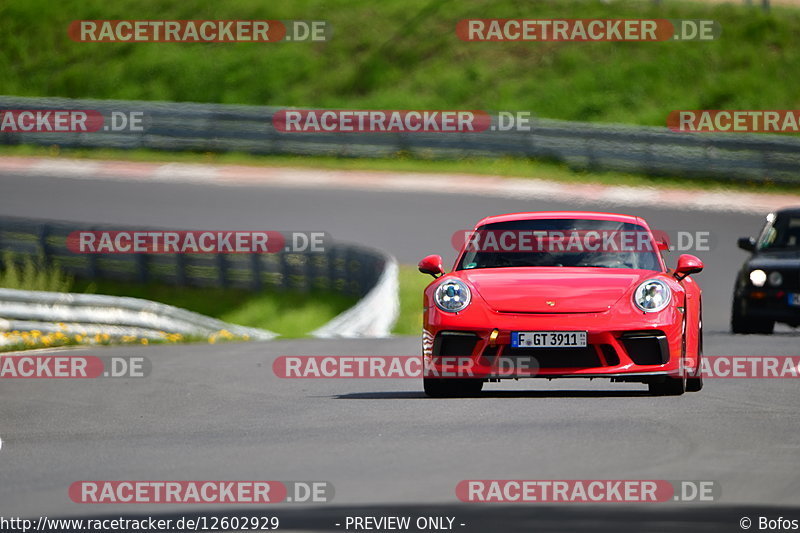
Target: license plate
{"type": "Point", "coordinates": [548, 339]}
{"type": "Point", "coordinates": [794, 298]}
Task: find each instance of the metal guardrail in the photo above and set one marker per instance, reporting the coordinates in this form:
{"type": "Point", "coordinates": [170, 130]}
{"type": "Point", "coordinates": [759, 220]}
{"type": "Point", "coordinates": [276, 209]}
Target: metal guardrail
{"type": "Point", "coordinates": [637, 149]}
{"type": "Point", "coordinates": [90, 314]}
{"type": "Point", "coordinates": [345, 269]}
{"type": "Point", "coordinates": [374, 315]}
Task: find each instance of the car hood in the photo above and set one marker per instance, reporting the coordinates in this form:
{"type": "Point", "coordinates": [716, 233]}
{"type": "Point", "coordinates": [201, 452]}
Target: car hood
{"type": "Point", "coordinates": [553, 290]}
{"type": "Point", "coordinates": [776, 259]}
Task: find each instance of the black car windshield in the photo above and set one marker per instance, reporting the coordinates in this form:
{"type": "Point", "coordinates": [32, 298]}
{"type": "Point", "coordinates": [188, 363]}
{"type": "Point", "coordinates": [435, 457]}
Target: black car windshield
{"type": "Point", "coordinates": [560, 243]}
{"type": "Point", "coordinates": [782, 232]}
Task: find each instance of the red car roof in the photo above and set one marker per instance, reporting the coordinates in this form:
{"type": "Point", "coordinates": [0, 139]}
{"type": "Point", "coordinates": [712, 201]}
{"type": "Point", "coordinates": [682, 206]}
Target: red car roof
{"type": "Point", "coordinates": [562, 214]}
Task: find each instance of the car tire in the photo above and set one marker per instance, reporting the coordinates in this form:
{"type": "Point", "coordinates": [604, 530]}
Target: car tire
{"type": "Point", "coordinates": [738, 321]}
{"type": "Point", "coordinates": [469, 387]}
{"type": "Point", "coordinates": [451, 388]}
{"type": "Point", "coordinates": [694, 384]}
{"type": "Point", "coordinates": [437, 387]}
{"type": "Point", "coordinates": [743, 325]}
{"type": "Point", "coordinates": [668, 387]}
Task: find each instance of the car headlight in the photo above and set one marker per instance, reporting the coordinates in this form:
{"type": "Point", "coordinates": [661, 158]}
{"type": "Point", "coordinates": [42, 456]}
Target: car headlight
{"type": "Point", "coordinates": [452, 295]}
{"type": "Point", "coordinates": [758, 278]}
{"type": "Point", "coordinates": [652, 295]}
{"type": "Point", "coordinates": [775, 279]}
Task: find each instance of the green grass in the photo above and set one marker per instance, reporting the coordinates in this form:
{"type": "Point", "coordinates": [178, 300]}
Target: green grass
{"type": "Point", "coordinates": [291, 313]}
{"type": "Point", "coordinates": [412, 283]}
{"type": "Point", "coordinates": [405, 54]}
{"type": "Point", "coordinates": [30, 274]}
{"type": "Point", "coordinates": [507, 167]}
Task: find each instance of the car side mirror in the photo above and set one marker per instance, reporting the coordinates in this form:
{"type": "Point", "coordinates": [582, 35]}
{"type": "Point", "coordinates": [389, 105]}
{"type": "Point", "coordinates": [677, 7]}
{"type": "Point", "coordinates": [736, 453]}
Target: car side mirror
{"type": "Point", "coordinates": [432, 265]}
{"type": "Point", "coordinates": [747, 243]}
{"type": "Point", "coordinates": [687, 265]}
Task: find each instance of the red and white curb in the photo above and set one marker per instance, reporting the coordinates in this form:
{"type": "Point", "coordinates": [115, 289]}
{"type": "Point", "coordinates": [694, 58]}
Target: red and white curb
{"type": "Point", "coordinates": [495, 186]}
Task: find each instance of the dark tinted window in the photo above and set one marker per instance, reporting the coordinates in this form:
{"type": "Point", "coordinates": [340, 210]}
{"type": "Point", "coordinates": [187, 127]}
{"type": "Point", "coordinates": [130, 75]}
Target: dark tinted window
{"type": "Point", "coordinates": [540, 244]}
{"type": "Point", "coordinates": [781, 233]}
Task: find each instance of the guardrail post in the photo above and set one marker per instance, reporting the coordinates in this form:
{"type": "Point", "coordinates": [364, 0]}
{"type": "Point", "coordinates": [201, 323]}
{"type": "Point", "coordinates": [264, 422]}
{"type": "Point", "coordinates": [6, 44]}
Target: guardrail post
{"type": "Point", "coordinates": [180, 270]}
{"type": "Point", "coordinates": [348, 276]}
{"type": "Point", "coordinates": [92, 258]}
{"type": "Point", "coordinates": [44, 249]}
{"type": "Point", "coordinates": [142, 273]}
{"type": "Point", "coordinates": [330, 263]}
{"type": "Point", "coordinates": [222, 271]}
{"type": "Point", "coordinates": [308, 275]}
{"type": "Point", "coordinates": [284, 270]}
{"type": "Point", "coordinates": [591, 159]}
{"type": "Point", "coordinates": [255, 271]}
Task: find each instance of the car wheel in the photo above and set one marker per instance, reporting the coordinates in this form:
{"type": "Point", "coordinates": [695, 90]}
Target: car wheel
{"type": "Point", "coordinates": [764, 327]}
{"type": "Point", "coordinates": [741, 324]}
{"type": "Point", "coordinates": [469, 387]}
{"type": "Point", "coordinates": [451, 388]}
{"type": "Point", "coordinates": [437, 388]}
{"type": "Point", "coordinates": [668, 387]}
{"type": "Point", "coordinates": [694, 384]}
{"type": "Point", "coordinates": [738, 323]}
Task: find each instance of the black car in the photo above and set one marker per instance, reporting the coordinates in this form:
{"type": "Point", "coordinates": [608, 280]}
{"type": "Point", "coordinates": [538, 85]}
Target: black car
{"type": "Point", "coordinates": [768, 285]}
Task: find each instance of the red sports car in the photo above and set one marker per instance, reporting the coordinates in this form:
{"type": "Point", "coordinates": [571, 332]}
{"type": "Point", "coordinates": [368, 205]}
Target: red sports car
{"type": "Point", "coordinates": [558, 295]}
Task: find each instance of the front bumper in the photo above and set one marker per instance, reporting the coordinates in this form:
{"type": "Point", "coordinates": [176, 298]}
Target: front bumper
{"type": "Point", "coordinates": [624, 347]}
{"type": "Point", "coordinates": [770, 304]}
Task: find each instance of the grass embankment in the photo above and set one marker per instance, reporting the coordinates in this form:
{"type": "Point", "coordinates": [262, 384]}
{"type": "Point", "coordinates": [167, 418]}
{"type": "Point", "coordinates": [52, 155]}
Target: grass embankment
{"type": "Point", "coordinates": [405, 54]}
{"type": "Point", "coordinates": [291, 314]}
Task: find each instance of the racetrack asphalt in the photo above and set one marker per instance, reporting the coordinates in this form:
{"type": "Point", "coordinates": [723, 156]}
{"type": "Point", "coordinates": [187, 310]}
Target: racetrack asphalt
{"type": "Point", "coordinates": [407, 225]}
{"type": "Point", "coordinates": [219, 412]}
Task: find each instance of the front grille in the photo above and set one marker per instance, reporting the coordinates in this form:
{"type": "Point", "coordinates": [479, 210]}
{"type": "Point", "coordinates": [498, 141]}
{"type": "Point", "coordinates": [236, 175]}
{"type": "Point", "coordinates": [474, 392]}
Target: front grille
{"type": "Point", "coordinates": [454, 344]}
{"type": "Point", "coordinates": [611, 355]}
{"type": "Point", "coordinates": [490, 352]}
{"type": "Point", "coordinates": [557, 357]}
{"type": "Point", "coordinates": [647, 347]}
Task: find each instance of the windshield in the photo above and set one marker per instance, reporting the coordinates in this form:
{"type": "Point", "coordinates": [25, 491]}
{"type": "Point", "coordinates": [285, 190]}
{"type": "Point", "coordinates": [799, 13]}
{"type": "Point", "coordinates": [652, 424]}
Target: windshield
{"type": "Point", "coordinates": [782, 232]}
{"type": "Point", "coordinates": [560, 243]}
